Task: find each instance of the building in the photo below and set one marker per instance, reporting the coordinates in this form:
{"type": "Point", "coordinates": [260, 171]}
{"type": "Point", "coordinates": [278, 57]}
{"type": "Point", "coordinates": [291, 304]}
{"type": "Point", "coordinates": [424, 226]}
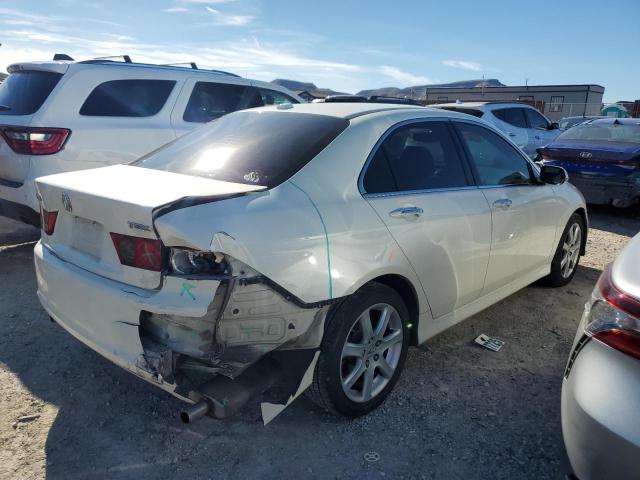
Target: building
{"type": "Point", "coordinates": [555, 101]}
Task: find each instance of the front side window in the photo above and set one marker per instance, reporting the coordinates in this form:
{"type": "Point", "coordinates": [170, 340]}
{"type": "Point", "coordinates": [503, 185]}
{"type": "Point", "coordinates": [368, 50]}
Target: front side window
{"type": "Point", "coordinates": [536, 120]}
{"type": "Point", "coordinates": [512, 116]}
{"type": "Point", "coordinates": [420, 156]}
{"type": "Point", "coordinates": [252, 147]}
{"type": "Point", "coordinates": [23, 93]}
{"type": "Point", "coordinates": [209, 100]}
{"type": "Point", "coordinates": [127, 98]}
{"type": "Point", "coordinates": [496, 162]}
{"type": "Point", "coordinates": [273, 97]}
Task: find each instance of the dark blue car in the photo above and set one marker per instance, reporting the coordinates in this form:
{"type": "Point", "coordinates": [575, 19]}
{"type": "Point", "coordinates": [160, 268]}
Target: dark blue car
{"type": "Point", "coordinates": [602, 158]}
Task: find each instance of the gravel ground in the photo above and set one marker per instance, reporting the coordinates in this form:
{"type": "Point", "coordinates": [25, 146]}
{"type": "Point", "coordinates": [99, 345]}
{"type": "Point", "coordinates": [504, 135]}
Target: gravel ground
{"type": "Point", "coordinates": [458, 411]}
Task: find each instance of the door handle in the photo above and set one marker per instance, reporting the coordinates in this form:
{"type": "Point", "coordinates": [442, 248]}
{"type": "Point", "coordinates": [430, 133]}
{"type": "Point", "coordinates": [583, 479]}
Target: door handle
{"type": "Point", "coordinates": [502, 203]}
{"type": "Point", "coordinates": [512, 134]}
{"type": "Point", "coordinates": [408, 211]}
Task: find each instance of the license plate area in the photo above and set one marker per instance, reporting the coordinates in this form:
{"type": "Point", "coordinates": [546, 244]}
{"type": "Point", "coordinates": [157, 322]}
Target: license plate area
{"type": "Point", "coordinates": [87, 236]}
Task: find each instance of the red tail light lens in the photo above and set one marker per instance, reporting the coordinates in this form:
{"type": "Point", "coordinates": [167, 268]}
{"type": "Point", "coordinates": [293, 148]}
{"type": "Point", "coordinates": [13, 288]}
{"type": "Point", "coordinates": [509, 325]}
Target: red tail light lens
{"type": "Point", "coordinates": [139, 252]}
{"type": "Point", "coordinates": [614, 317]}
{"type": "Point", "coordinates": [35, 140]}
{"type": "Point", "coordinates": [48, 220]}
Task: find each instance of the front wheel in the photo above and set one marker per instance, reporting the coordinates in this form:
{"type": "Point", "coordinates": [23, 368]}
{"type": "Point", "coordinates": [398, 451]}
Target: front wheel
{"type": "Point", "coordinates": [363, 352]}
{"type": "Point", "coordinates": [567, 256]}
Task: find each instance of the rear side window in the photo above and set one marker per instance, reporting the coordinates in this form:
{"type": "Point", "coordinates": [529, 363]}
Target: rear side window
{"type": "Point", "coordinates": [23, 93]}
{"type": "Point", "coordinates": [210, 100]}
{"type": "Point", "coordinates": [250, 147]}
{"type": "Point", "coordinates": [420, 156]}
{"type": "Point", "coordinates": [513, 116]}
{"type": "Point", "coordinates": [127, 98]}
{"type": "Point", "coordinates": [273, 97]}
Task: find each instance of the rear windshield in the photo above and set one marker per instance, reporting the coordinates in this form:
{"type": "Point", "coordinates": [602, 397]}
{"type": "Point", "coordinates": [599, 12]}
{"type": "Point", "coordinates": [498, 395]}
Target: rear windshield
{"type": "Point", "coordinates": [127, 98]}
{"type": "Point", "coordinates": [468, 111]}
{"type": "Point", "coordinates": [251, 147]}
{"type": "Point", "coordinates": [23, 93]}
{"type": "Point", "coordinates": [604, 132]}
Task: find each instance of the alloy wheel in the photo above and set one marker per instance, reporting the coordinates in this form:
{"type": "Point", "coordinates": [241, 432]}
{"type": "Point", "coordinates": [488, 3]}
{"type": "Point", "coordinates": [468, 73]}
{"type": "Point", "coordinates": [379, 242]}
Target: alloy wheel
{"type": "Point", "coordinates": [571, 250]}
{"type": "Point", "coordinates": [371, 352]}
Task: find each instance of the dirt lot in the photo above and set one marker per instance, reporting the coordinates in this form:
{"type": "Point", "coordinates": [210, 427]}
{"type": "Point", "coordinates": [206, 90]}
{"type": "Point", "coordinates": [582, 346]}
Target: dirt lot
{"type": "Point", "coordinates": [459, 411]}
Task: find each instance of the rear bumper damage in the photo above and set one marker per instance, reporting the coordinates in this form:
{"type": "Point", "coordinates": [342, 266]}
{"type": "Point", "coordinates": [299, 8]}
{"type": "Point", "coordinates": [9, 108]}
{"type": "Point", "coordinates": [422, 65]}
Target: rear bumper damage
{"type": "Point", "coordinates": [215, 342]}
{"type": "Point", "coordinates": [617, 191]}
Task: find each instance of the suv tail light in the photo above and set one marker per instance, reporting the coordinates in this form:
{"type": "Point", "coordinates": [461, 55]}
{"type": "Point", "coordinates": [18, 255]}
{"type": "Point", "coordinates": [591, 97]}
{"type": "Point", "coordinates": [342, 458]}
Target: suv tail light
{"type": "Point", "coordinates": [614, 317]}
{"type": "Point", "coordinates": [48, 220]}
{"type": "Point", "coordinates": [35, 140]}
{"type": "Point", "coordinates": [139, 252]}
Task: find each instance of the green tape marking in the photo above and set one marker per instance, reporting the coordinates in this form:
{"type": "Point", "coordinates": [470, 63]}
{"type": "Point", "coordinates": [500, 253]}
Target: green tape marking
{"type": "Point", "coordinates": [186, 288]}
{"type": "Point", "coordinates": [326, 236]}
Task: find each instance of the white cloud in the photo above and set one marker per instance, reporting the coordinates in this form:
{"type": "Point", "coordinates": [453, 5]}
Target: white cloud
{"type": "Point", "coordinates": [175, 9]}
{"type": "Point", "coordinates": [465, 65]}
{"type": "Point", "coordinates": [405, 78]}
{"type": "Point", "coordinates": [230, 20]}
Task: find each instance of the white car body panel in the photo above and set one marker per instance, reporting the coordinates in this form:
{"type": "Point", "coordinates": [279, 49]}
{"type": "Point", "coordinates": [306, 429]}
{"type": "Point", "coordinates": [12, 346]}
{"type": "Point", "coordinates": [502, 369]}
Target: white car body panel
{"type": "Point", "coordinates": [314, 238]}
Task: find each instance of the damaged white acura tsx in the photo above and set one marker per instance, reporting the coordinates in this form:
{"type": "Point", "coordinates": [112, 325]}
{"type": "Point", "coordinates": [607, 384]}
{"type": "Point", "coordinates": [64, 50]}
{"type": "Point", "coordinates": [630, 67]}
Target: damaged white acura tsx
{"type": "Point", "coordinates": [299, 247]}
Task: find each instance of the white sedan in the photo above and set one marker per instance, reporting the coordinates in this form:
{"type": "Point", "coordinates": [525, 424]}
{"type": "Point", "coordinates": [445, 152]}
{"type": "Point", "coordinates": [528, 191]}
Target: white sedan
{"type": "Point", "coordinates": [299, 246]}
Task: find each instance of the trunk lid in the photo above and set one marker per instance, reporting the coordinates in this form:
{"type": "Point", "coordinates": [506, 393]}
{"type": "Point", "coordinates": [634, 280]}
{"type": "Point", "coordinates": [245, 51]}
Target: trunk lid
{"type": "Point", "coordinates": [610, 158]}
{"type": "Point", "coordinates": [120, 199]}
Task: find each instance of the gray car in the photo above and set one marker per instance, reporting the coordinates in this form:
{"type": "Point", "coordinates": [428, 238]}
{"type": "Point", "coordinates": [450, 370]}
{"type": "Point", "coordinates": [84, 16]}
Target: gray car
{"type": "Point", "coordinates": [601, 388]}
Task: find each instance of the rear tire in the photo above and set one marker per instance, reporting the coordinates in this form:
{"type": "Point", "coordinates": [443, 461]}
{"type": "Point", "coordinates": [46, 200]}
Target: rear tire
{"type": "Point", "coordinates": [359, 364]}
{"type": "Point", "coordinates": [567, 256]}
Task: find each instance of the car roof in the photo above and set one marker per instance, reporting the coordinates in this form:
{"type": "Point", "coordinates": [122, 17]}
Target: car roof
{"type": "Point", "coordinates": [343, 109]}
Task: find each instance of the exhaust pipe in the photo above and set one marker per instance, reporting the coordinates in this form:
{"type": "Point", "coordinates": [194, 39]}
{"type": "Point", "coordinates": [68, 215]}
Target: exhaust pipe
{"type": "Point", "coordinates": [194, 412]}
{"type": "Point", "coordinates": [223, 396]}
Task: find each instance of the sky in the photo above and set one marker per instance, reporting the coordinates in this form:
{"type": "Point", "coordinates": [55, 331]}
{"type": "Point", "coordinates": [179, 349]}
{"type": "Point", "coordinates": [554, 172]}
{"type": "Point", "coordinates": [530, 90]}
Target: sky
{"type": "Point", "coordinates": [346, 45]}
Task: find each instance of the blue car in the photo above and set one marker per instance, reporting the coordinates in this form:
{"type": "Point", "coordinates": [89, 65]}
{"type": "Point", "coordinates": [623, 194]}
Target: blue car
{"type": "Point", "coordinates": [602, 158]}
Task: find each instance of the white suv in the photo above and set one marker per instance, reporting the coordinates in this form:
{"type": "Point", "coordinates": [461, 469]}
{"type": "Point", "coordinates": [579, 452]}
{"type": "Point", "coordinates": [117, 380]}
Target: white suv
{"type": "Point", "coordinates": [61, 116]}
{"type": "Point", "coordinates": [524, 124]}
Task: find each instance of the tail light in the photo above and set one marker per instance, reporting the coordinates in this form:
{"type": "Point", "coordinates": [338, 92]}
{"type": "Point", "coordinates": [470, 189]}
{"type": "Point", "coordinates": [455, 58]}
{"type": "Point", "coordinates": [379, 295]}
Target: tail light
{"type": "Point", "coordinates": [35, 140]}
{"type": "Point", "coordinates": [184, 261]}
{"type": "Point", "coordinates": [48, 220]}
{"type": "Point", "coordinates": [139, 252]}
{"type": "Point", "coordinates": [614, 317]}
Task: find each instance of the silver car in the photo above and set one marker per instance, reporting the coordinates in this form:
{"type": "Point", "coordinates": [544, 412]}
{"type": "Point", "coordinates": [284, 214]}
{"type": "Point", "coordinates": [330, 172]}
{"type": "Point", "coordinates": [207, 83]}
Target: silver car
{"type": "Point", "coordinates": [601, 388]}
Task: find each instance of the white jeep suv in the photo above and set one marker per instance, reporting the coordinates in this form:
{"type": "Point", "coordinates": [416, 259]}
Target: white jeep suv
{"type": "Point", "coordinates": [522, 123]}
{"type": "Point", "coordinates": [61, 116]}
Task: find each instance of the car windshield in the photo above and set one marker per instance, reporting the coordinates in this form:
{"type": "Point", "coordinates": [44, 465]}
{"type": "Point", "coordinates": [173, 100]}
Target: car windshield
{"type": "Point", "coordinates": [253, 147]}
{"type": "Point", "coordinates": [604, 132]}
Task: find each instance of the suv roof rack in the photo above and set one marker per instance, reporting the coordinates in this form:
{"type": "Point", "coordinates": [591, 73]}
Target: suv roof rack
{"type": "Point", "coordinates": [127, 60]}
{"type": "Point", "coordinates": [191, 64]}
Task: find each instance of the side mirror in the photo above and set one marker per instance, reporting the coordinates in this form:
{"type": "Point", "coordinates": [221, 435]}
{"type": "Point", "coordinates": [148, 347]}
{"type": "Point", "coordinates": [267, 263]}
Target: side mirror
{"type": "Point", "coordinates": [553, 126]}
{"type": "Point", "coordinates": [553, 175]}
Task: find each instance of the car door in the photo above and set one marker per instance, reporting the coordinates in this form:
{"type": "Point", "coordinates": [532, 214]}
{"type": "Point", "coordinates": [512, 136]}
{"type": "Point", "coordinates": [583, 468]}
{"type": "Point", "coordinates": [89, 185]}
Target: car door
{"type": "Point", "coordinates": [513, 123]}
{"type": "Point", "coordinates": [523, 211]}
{"type": "Point", "coordinates": [541, 134]}
{"type": "Point", "coordinates": [420, 185]}
{"type": "Point", "coordinates": [202, 100]}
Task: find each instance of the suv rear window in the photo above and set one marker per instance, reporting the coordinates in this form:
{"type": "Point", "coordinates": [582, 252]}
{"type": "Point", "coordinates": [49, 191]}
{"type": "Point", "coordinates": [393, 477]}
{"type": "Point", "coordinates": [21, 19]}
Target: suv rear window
{"type": "Point", "coordinates": [250, 147]}
{"type": "Point", "coordinates": [211, 100]}
{"type": "Point", "coordinates": [127, 98]}
{"type": "Point", "coordinates": [23, 93]}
